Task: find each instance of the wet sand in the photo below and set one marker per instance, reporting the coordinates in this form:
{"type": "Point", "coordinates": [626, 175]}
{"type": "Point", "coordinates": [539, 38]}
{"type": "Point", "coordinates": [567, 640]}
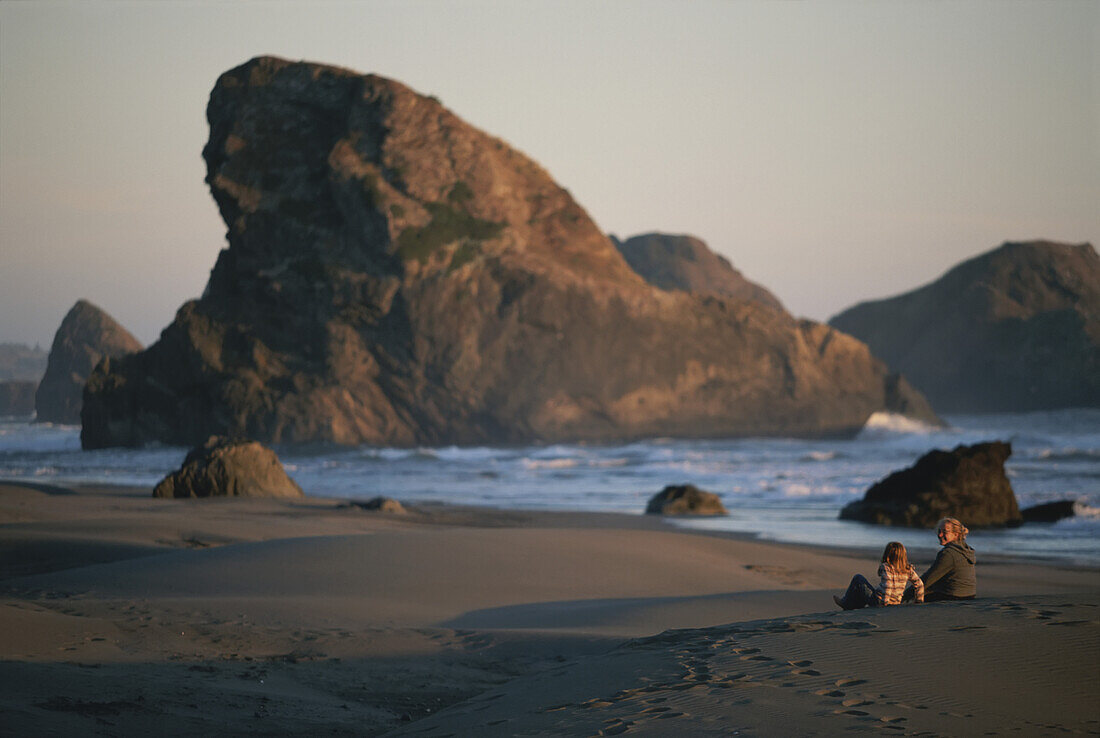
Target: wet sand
{"type": "Point", "coordinates": [125, 615]}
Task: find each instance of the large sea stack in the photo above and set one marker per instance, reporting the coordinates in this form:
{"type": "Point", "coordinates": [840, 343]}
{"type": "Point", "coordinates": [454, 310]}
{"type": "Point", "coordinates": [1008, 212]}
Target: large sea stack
{"type": "Point", "coordinates": [87, 334]}
{"type": "Point", "coordinates": [683, 262]}
{"type": "Point", "coordinates": [1015, 329]}
{"type": "Point", "coordinates": [396, 276]}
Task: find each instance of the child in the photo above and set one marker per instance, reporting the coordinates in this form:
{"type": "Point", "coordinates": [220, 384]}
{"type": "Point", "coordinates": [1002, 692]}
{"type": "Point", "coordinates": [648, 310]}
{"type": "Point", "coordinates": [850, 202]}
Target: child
{"type": "Point", "coordinates": [894, 573]}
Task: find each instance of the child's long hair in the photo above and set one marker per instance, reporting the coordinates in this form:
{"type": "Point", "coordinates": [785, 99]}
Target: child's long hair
{"type": "Point", "coordinates": [895, 557]}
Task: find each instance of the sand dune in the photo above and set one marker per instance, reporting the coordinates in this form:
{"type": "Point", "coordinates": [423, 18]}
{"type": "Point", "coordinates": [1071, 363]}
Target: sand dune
{"type": "Point", "coordinates": [129, 616]}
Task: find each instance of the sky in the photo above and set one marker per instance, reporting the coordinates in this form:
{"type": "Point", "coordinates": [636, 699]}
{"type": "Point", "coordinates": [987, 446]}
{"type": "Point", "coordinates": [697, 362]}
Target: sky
{"type": "Point", "coordinates": [835, 152]}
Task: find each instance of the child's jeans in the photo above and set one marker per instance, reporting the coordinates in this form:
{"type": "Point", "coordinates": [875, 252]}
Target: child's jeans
{"type": "Point", "coordinates": [860, 594]}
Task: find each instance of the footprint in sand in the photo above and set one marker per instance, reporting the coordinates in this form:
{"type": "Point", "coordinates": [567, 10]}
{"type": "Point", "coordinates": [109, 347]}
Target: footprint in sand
{"type": "Point", "coordinates": [848, 682]}
{"type": "Point", "coordinates": [858, 625]}
{"type": "Point", "coordinates": [829, 693]}
{"type": "Point", "coordinates": [617, 729]}
{"type": "Point", "coordinates": [553, 708]}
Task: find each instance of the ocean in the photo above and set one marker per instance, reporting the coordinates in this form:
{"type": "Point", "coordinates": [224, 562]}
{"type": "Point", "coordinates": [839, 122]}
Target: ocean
{"type": "Point", "coordinates": [780, 489]}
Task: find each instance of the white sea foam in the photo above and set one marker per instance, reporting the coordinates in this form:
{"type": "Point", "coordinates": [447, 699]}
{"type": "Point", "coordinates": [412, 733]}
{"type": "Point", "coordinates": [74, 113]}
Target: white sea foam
{"type": "Point", "coordinates": [884, 423]}
{"type": "Point", "coordinates": [1081, 510]}
{"type": "Point", "coordinates": [1069, 454]}
{"type": "Point", "coordinates": [549, 463]}
{"type": "Point", "coordinates": [798, 490]}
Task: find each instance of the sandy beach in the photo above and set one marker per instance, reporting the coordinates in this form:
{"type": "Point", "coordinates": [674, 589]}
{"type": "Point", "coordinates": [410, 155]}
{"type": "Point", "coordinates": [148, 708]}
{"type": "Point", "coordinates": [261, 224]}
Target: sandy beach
{"type": "Point", "coordinates": [125, 615]}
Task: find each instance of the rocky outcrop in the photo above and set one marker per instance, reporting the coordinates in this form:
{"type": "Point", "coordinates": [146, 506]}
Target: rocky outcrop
{"type": "Point", "coordinates": [16, 398]}
{"type": "Point", "coordinates": [674, 262]}
{"type": "Point", "coordinates": [967, 483]}
{"type": "Point", "coordinates": [87, 335]}
{"type": "Point", "coordinates": [1015, 329]}
{"type": "Point", "coordinates": [685, 499]}
{"type": "Point", "coordinates": [396, 276]}
{"type": "Point", "coordinates": [224, 467]}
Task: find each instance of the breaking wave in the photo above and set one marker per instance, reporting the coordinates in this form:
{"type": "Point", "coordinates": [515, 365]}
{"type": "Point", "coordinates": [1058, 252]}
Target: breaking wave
{"type": "Point", "coordinates": [880, 424]}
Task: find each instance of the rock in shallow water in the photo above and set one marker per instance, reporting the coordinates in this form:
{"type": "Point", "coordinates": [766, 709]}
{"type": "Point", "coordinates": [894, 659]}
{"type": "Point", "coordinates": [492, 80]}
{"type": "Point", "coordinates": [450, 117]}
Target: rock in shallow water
{"type": "Point", "coordinates": [967, 483]}
{"type": "Point", "coordinates": [685, 499]}
{"type": "Point", "coordinates": [1050, 512]}
{"type": "Point", "coordinates": [382, 505]}
{"type": "Point", "coordinates": [222, 467]}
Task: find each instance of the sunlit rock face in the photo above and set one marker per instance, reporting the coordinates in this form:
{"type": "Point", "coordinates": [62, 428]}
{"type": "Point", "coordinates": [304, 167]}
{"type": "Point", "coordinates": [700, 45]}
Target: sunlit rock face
{"type": "Point", "coordinates": [396, 276]}
{"type": "Point", "coordinates": [1014, 329]}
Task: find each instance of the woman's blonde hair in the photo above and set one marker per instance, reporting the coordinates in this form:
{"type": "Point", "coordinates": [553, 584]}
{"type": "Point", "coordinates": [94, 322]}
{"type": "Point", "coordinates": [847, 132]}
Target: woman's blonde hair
{"type": "Point", "coordinates": [953, 526]}
{"type": "Point", "coordinates": [895, 556]}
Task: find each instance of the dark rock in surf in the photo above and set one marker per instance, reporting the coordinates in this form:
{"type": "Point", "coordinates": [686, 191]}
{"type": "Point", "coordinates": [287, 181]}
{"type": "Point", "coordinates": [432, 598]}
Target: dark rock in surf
{"type": "Point", "coordinates": [968, 483]}
{"type": "Point", "coordinates": [396, 276]}
{"type": "Point", "coordinates": [685, 499]}
{"type": "Point", "coordinates": [223, 467]}
{"type": "Point", "coordinates": [1050, 512]}
{"type": "Point", "coordinates": [87, 334]}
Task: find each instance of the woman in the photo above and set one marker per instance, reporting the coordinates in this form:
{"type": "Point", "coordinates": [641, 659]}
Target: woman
{"type": "Point", "coordinates": [951, 576]}
{"type": "Point", "coordinates": [894, 573]}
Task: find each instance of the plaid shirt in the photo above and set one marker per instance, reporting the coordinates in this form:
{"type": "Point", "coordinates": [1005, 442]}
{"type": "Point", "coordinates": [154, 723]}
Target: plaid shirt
{"type": "Point", "coordinates": [892, 585]}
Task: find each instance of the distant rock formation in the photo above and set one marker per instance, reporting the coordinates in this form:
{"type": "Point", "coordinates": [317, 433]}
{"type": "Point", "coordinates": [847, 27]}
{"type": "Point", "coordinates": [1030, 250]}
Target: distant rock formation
{"type": "Point", "coordinates": [686, 263]}
{"type": "Point", "coordinates": [967, 483]}
{"type": "Point", "coordinates": [87, 334]}
{"type": "Point", "coordinates": [685, 499]}
{"type": "Point", "coordinates": [396, 276]}
{"type": "Point", "coordinates": [17, 398]}
{"type": "Point", "coordinates": [223, 467]}
{"type": "Point", "coordinates": [1015, 329]}
{"type": "Point", "coordinates": [19, 362]}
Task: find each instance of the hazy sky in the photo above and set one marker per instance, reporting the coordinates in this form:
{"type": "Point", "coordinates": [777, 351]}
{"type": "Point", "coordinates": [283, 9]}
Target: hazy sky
{"type": "Point", "coordinates": [834, 152]}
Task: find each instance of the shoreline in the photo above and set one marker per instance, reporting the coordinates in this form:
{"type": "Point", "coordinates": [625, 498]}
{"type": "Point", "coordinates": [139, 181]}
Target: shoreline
{"type": "Point", "coordinates": [231, 617]}
{"type": "Point", "coordinates": [497, 515]}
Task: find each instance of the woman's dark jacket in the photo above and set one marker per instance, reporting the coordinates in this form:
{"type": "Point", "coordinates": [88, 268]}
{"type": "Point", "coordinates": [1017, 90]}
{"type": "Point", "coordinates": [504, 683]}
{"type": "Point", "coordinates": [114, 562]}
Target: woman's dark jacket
{"type": "Point", "coordinates": [952, 573]}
